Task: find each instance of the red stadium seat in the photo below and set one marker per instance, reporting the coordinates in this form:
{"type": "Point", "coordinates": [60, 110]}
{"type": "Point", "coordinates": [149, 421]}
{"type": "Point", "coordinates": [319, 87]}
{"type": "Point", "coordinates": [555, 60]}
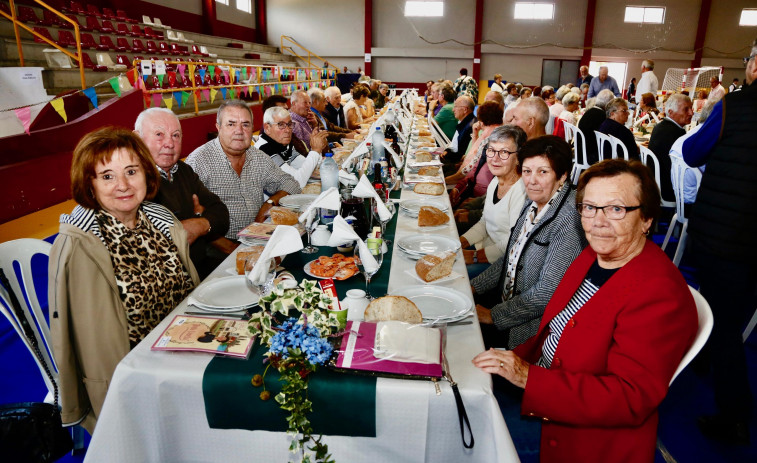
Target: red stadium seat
{"type": "Point", "coordinates": [55, 20]}
{"type": "Point", "coordinates": [77, 8]}
{"type": "Point", "coordinates": [87, 41]}
{"type": "Point", "coordinates": [90, 65]}
{"type": "Point", "coordinates": [122, 59]}
{"type": "Point", "coordinates": [163, 48]}
{"type": "Point", "coordinates": [28, 15]}
{"type": "Point", "coordinates": [121, 14]}
{"type": "Point", "coordinates": [122, 44]}
{"type": "Point", "coordinates": [150, 47]}
{"type": "Point", "coordinates": [196, 51]}
{"type": "Point", "coordinates": [175, 50]}
{"type": "Point", "coordinates": [122, 29]}
{"type": "Point", "coordinates": [94, 25]}
{"type": "Point", "coordinates": [92, 10]}
{"type": "Point", "coordinates": [109, 13]}
{"type": "Point", "coordinates": [136, 31]}
{"type": "Point", "coordinates": [106, 41]}
{"type": "Point", "coordinates": [137, 46]}
{"type": "Point", "coordinates": [152, 33]}
{"type": "Point", "coordinates": [66, 39]}
{"type": "Point", "coordinates": [84, 28]}
{"type": "Point", "coordinates": [184, 50]}
{"type": "Point", "coordinates": [43, 32]}
{"type": "Point", "coordinates": [109, 27]}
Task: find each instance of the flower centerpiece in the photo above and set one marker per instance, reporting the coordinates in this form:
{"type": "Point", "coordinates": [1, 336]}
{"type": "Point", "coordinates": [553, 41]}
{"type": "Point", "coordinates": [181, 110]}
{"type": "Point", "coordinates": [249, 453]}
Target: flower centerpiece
{"type": "Point", "coordinates": [295, 323]}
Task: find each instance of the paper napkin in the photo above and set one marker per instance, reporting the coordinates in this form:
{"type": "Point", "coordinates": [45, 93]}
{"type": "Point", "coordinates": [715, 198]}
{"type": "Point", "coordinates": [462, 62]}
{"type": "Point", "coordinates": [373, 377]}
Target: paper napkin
{"type": "Point", "coordinates": [284, 240]}
{"type": "Point", "coordinates": [364, 189]}
{"type": "Point", "coordinates": [343, 233]}
{"type": "Point", "coordinates": [329, 199]}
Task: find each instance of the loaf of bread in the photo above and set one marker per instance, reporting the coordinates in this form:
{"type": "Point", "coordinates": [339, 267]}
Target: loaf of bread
{"type": "Point", "coordinates": [432, 267]}
{"type": "Point", "coordinates": [428, 188]}
{"type": "Point", "coordinates": [283, 216]}
{"type": "Point", "coordinates": [430, 216]}
{"type": "Point", "coordinates": [431, 171]}
{"type": "Point", "coordinates": [423, 156]}
{"type": "Point", "coordinates": [397, 308]}
{"type": "Point", "coordinates": [245, 253]}
{"type": "Point", "coordinates": [312, 189]}
{"type": "Point", "coordinates": [424, 133]}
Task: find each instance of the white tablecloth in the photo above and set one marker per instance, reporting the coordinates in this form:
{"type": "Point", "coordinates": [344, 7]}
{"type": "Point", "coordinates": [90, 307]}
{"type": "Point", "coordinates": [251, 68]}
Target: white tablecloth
{"type": "Point", "coordinates": [154, 410]}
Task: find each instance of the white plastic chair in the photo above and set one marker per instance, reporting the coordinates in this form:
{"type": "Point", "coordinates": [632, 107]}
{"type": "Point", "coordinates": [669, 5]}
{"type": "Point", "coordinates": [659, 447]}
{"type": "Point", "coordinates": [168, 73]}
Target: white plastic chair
{"type": "Point", "coordinates": [649, 159]}
{"type": "Point", "coordinates": [21, 252]}
{"type": "Point", "coordinates": [678, 173]}
{"type": "Point", "coordinates": [104, 59]}
{"type": "Point", "coordinates": [580, 161]}
{"type": "Point", "coordinates": [749, 327]}
{"type": "Point", "coordinates": [159, 23]}
{"type": "Point", "coordinates": [704, 328]}
{"type": "Point", "coordinates": [615, 146]}
{"type": "Point", "coordinates": [180, 37]}
{"type": "Point", "coordinates": [171, 35]}
{"type": "Point", "coordinates": [437, 132]}
{"type": "Point", "coordinates": [204, 49]}
{"type": "Point", "coordinates": [57, 59]}
{"type": "Point", "coordinates": [146, 20]}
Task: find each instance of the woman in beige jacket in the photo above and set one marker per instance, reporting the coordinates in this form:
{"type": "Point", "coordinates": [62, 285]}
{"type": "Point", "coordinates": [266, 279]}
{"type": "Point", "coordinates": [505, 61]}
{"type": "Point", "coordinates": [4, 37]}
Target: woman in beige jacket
{"type": "Point", "coordinates": [118, 266]}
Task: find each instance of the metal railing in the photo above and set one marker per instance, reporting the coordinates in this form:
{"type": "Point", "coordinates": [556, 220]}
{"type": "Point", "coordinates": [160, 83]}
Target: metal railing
{"type": "Point", "coordinates": [16, 23]}
{"type": "Point", "coordinates": [304, 51]}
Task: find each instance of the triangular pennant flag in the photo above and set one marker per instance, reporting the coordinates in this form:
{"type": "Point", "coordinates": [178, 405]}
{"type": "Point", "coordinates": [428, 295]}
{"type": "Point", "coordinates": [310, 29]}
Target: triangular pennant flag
{"type": "Point", "coordinates": [250, 90]}
{"type": "Point", "coordinates": [226, 76]}
{"type": "Point", "coordinates": [223, 93]}
{"type": "Point", "coordinates": [254, 73]}
{"type": "Point", "coordinates": [145, 77]}
{"type": "Point", "coordinates": [191, 70]}
{"type": "Point", "coordinates": [184, 98]}
{"type": "Point", "coordinates": [237, 74]}
{"type": "Point", "coordinates": [244, 73]}
{"type": "Point", "coordinates": [232, 94]}
{"type": "Point", "coordinates": [147, 99]}
{"type": "Point", "coordinates": [59, 108]}
{"type": "Point", "coordinates": [160, 79]}
{"type": "Point", "coordinates": [91, 94]}
{"type": "Point", "coordinates": [213, 93]}
{"type": "Point", "coordinates": [157, 98]}
{"type": "Point", "coordinates": [212, 70]}
{"type": "Point", "coordinates": [202, 75]}
{"type": "Point", "coordinates": [206, 94]}
{"type": "Point", "coordinates": [113, 81]}
{"type": "Point", "coordinates": [132, 78]}
{"type": "Point", "coordinates": [25, 116]}
{"type": "Point", "coordinates": [177, 96]}
{"type": "Point", "coordinates": [181, 68]}
{"type": "Point", "coordinates": [198, 95]}
{"type": "Point", "coordinates": [169, 102]}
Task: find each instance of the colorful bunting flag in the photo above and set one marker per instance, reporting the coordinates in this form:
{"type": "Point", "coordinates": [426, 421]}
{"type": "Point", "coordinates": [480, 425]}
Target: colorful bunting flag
{"type": "Point", "coordinates": [232, 94]}
{"type": "Point", "coordinates": [177, 96]}
{"type": "Point", "coordinates": [132, 78]}
{"type": "Point", "coordinates": [160, 79]}
{"type": "Point", "coordinates": [59, 108]}
{"type": "Point", "coordinates": [157, 98]}
{"type": "Point", "coordinates": [92, 95]}
{"type": "Point", "coordinates": [184, 98]}
{"type": "Point", "coordinates": [113, 81]}
{"type": "Point", "coordinates": [169, 102]}
{"type": "Point", "coordinates": [147, 99]}
{"type": "Point", "coordinates": [213, 93]}
{"type": "Point", "coordinates": [198, 95]}
{"type": "Point", "coordinates": [206, 94]}
{"type": "Point", "coordinates": [25, 116]}
{"type": "Point", "coordinates": [223, 93]}
{"type": "Point", "coordinates": [212, 70]}
{"type": "Point", "coordinates": [181, 68]}
{"type": "Point", "coordinates": [202, 75]}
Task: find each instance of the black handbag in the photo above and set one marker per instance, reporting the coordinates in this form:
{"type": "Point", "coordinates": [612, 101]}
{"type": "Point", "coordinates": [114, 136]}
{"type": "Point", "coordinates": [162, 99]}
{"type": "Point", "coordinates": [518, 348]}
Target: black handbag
{"type": "Point", "coordinates": [32, 431]}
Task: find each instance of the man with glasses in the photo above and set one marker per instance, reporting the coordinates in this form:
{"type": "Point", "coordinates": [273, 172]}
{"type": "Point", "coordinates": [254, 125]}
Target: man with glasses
{"type": "Point", "coordinates": [238, 173]}
{"type": "Point", "coordinates": [722, 228]}
{"type": "Point", "coordinates": [463, 110]}
{"type": "Point", "coordinates": [277, 142]}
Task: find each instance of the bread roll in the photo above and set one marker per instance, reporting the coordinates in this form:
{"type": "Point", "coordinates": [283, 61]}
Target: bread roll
{"type": "Point", "coordinates": [428, 188]}
{"type": "Point", "coordinates": [432, 267]}
{"type": "Point", "coordinates": [283, 216]}
{"type": "Point", "coordinates": [312, 189]}
{"type": "Point", "coordinates": [397, 308]}
{"type": "Point", "coordinates": [424, 133]}
{"type": "Point", "coordinates": [430, 216]}
{"type": "Point", "coordinates": [245, 253]}
{"type": "Point", "coordinates": [432, 171]}
{"type": "Point", "coordinates": [423, 156]}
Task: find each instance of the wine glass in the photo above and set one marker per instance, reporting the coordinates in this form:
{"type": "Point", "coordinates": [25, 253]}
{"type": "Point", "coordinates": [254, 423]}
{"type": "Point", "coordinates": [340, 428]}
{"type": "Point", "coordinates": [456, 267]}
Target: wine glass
{"type": "Point", "coordinates": [379, 256]}
{"type": "Point", "coordinates": [390, 206]}
{"type": "Point", "coordinates": [260, 289]}
{"type": "Point", "coordinates": [313, 222]}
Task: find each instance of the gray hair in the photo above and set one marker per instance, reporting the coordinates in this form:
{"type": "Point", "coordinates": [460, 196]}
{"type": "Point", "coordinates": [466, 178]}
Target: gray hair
{"type": "Point", "coordinates": [575, 90]}
{"type": "Point", "coordinates": [297, 95]}
{"type": "Point", "coordinates": [270, 114]}
{"type": "Point", "coordinates": [561, 92]}
{"type": "Point", "coordinates": [149, 112]}
{"type": "Point", "coordinates": [615, 105]}
{"type": "Point", "coordinates": [468, 102]}
{"type": "Point", "coordinates": [316, 95]}
{"type": "Point", "coordinates": [537, 108]}
{"type": "Point", "coordinates": [383, 86]}
{"type": "Point", "coordinates": [675, 101]}
{"type": "Point", "coordinates": [570, 97]}
{"type": "Point", "coordinates": [547, 87]}
{"type": "Point", "coordinates": [603, 98]}
{"type": "Point", "coordinates": [591, 102]}
{"type": "Point", "coordinates": [332, 91]}
{"type": "Point", "coordinates": [231, 104]}
{"type": "Point", "coordinates": [506, 133]}
{"type": "Point", "coordinates": [648, 63]}
{"type": "Point", "coordinates": [583, 86]}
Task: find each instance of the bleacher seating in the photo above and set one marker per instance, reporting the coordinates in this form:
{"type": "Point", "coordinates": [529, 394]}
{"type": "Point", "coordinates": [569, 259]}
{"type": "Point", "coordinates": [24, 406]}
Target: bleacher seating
{"type": "Point", "coordinates": [44, 33]}
{"type": "Point", "coordinates": [137, 46]}
{"type": "Point", "coordinates": [82, 28]}
{"type": "Point", "coordinates": [104, 59]}
{"type": "Point", "coordinates": [87, 41]}
{"type": "Point", "coordinates": [108, 26]}
{"type": "Point", "coordinates": [93, 10]}
{"type": "Point", "coordinates": [55, 20]}
{"type": "Point", "coordinates": [90, 65]}
{"type": "Point", "coordinates": [122, 44]}
{"type": "Point", "coordinates": [150, 32]}
{"type": "Point", "coordinates": [121, 14]}
{"type": "Point", "coordinates": [151, 47]}
{"type": "Point", "coordinates": [109, 13]}
{"type": "Point", "coordinates": [122, 29]}
{"type": "Point", "coordinates": [66, 39]}
{"type": "Point", "coordinates": [106, 41]}
{"type": "Point", "coordinates": [28, 15]}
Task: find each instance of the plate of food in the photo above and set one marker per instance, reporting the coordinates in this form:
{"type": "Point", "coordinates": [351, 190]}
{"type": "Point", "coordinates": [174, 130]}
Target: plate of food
{"type": "Point", "coordinates": [338, 266]}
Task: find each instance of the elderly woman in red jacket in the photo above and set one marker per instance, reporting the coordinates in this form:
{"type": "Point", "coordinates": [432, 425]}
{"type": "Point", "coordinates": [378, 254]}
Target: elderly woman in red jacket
{"type": "Point", "coordinates": [613, 333]}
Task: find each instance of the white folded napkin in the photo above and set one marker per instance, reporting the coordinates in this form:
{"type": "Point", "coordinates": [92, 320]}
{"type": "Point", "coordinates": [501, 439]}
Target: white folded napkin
{"type": "Point", "coordinates": [284, 240]}
{"type": "Point", "coordinates": [328, 199]}
{"type": "Point", "coordinates": [364, 189]}
{"type": "Point", "coordinates": [359, 151]}
{"type": "Point", "coordinates": [346, 178]}
{"type": "Point", "coordinates": [343, 233]}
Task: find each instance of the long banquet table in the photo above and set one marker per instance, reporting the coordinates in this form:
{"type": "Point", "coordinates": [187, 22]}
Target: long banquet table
{"type": "Point", "coordinates": [154, 410]}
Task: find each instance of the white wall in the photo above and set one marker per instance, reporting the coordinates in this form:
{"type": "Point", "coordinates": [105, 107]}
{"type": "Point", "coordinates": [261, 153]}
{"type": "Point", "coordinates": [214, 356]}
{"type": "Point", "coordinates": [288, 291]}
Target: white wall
{"type": "Point", "coordinates": [230, 14]}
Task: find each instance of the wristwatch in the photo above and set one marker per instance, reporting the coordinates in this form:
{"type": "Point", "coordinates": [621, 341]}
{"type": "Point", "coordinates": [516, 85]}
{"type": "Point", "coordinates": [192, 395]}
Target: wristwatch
{"type": "Point", "coordinates": [270, 201]}
{"type": "Point", "coordinates": [475, 257]}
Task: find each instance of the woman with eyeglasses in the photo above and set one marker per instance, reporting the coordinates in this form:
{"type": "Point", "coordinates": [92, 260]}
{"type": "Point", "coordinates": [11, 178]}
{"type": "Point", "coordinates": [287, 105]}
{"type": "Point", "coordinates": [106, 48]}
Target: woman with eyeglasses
{"type": "Point", "coordinates": [513, 292]}
{"type": "Point", "coordinates": [612, 336]}
{"type": "Point", "coordinates": [504, 200]}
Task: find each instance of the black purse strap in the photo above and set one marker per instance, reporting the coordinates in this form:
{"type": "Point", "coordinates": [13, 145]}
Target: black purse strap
{"type": "Point", "coordinates": [462, 416]}
{"type": "Point", "coordinates": [29, 333]}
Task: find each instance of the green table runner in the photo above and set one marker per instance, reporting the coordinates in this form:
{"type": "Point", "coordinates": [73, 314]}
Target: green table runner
{"type": "Point", "coordinates": [343, 404]}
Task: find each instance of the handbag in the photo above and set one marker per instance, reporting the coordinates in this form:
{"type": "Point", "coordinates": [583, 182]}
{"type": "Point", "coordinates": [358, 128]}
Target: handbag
{"type": "Point", "coordinates": [465, 186]}
{"type": "Point", "coordinates": [32, 431]}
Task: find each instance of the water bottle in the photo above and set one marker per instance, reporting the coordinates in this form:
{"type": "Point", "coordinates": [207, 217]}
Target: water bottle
{"type": "Point", "coordinates": [377, 141]}
{"type": "Point", "coordinates": [329, 178]}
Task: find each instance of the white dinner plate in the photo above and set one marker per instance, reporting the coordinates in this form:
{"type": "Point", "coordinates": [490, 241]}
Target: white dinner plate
{"type": "Point", "coordinates": [306, 269]}
{"type": "Point", "coordinates": [417, 246]}
{"type": "Point", "coordinates": [438, 303]}
{"type": "Point", "coordinates": [224, 293]}
{"type": "Point", "coordinates": [413, 206]}
{"type": "Point", "coordinates": [297, 202]}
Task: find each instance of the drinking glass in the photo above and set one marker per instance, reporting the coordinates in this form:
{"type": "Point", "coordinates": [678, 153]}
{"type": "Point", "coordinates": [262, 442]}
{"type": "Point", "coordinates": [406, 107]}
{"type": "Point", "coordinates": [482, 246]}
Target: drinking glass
{"type": "Point", "coordinates": [267, 286]}
{"type": "Point", "coordinates": [310, 249]}
{"type": "Point", "coordinates": [390, 206]}
{"type": "Point", "coordinates": [379, 256]}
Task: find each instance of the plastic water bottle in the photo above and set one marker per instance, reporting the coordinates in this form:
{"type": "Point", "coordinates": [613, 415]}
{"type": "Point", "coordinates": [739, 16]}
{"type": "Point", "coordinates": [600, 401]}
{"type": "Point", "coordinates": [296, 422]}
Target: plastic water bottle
{"type": "Point", "coordinates": [377, 141]}
{"type": "Point", "coordinates": [329, 178]}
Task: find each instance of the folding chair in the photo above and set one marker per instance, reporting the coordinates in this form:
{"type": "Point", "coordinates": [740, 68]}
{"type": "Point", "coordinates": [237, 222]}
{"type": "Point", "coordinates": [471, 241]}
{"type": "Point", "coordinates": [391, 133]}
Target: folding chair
{"type": "Point", "coordinates": [649, 159]}
{"type": "Point", "coordinates": [437, 132]}
{"type": "Point", "coordinates": [678, 174]}
{"type": "Point", "coordinates": [704, 328]}
{"type": "Point", "coordinates": [580, 162]}
{"type": "Point", "coordinates": [615, 146]}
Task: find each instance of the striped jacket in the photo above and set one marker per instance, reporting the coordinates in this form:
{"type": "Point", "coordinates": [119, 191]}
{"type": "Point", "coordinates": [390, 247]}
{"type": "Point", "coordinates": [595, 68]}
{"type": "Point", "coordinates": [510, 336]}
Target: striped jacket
{"type": "Point", "coordinates": [552, 246]}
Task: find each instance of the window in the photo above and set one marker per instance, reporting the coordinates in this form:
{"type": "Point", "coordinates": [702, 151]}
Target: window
{"type": "Point", "coordinates": [618, 71]}
{"type": "Point", "coordinates": [528, 10]}
{"type": "Point", "coordinates": [645, 15]}
{"type": "Point", "coordinates": [424, 8]}
{"type": "Point", "coordinates": [244, 5]}
{"type": "Point", "coordinates": [223, 2]}
{"type": "Point", "coordinates": [748, 17]}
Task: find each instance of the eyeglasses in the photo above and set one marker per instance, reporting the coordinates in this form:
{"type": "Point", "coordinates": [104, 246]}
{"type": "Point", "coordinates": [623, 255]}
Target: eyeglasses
{"type": "Point", "coordinates": [748, 58]}
{"type": "Point", "coordinates": [612, 212]}
{"type": "Point", "coordinates": [284, 125]}
{"type": "Point", "coordinates": [503, 154]}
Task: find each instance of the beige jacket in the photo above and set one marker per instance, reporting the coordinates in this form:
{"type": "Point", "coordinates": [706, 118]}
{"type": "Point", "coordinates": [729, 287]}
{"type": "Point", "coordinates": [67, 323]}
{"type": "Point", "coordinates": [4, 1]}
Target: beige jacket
{"type": "Point", "coordinates": [88, 320]}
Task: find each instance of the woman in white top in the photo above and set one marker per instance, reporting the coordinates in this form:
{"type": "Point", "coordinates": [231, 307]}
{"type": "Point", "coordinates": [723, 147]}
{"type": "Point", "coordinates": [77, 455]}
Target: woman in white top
{"type": "Point", "coordinates": [504, 198]}
{"type": "Point", "coordinates": [497, 85]}
{"type": "Point", "coordinates": [570, 103]}
{"type": "Point", "coordinates": [360, 94]}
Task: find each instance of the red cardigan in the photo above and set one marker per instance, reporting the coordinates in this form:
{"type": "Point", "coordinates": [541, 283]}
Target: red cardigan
{"type": "Point", "coordinates": [615, 358]}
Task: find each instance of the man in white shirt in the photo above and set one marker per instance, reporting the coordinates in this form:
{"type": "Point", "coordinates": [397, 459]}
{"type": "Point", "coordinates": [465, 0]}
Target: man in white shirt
{"type": "Point", "coordinates": [277, 142]}
{"type": "Point", "coordinates": [734, 86]}
{"type": "Point", "coordinates": [648, 82]}
{"type": "Point", "coordinates": [717, 92]}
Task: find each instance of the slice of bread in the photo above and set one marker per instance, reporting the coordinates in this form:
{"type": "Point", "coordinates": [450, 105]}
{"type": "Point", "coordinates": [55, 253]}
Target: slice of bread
{"type": "Point", "coordinates": [431, 171]}
{"type": "Point", "coordinates": [432, 267]}
{"type": "Point", "coordinates": [423, 156]}
{"type": "Point", "coordinates": [428, 188]}
{"type": "Point", "coordinates": [283, 216]}
{"type": "Point", "coordinates": [245, 253]}
{"type": "Point", "coordinates": [430, 216]}
{"type": "Point", "coordinates": [397, 308]}
{"type": "Point", "coordinates": [312, 189]}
